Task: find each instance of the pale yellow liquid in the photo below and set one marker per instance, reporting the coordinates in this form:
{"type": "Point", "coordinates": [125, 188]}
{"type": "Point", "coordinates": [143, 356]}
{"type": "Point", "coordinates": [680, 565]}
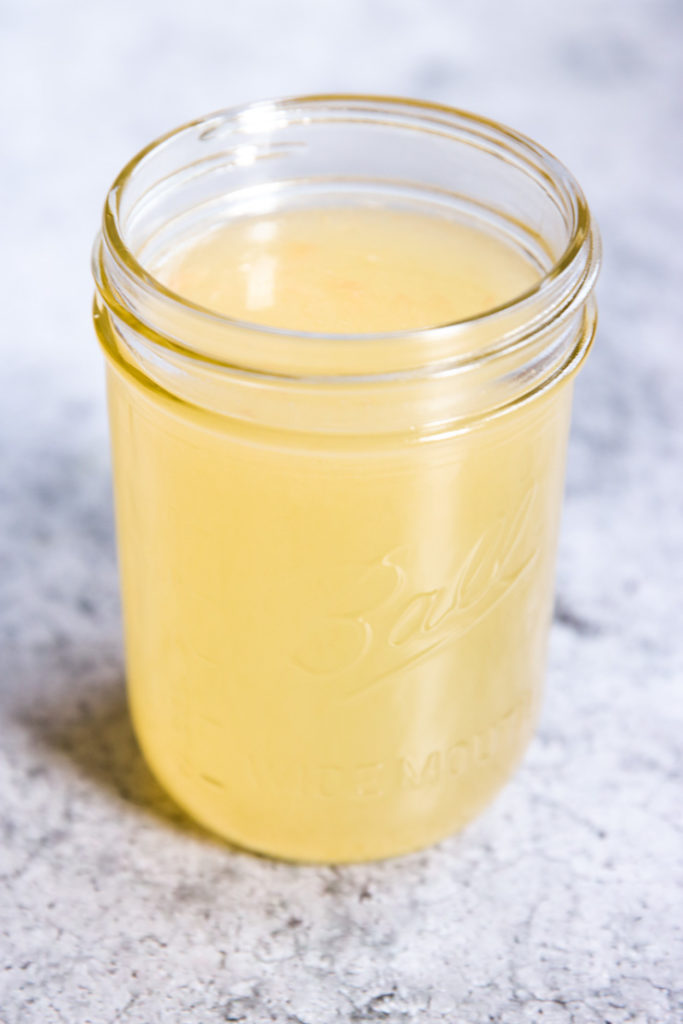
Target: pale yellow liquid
{"type": "Point", "coordinates": [353, 271]}
{"type": "Point", "coordinates": [335, 651]}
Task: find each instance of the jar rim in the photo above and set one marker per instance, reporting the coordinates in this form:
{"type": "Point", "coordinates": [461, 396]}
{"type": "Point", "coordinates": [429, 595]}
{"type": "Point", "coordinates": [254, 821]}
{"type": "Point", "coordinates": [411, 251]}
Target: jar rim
{"type": "Point", "coordinates": [582, 246]}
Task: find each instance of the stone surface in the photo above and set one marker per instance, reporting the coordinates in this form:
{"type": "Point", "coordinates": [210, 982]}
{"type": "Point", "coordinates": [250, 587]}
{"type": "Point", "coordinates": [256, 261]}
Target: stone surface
{"type": "Point", "coordinates": [563, 903]}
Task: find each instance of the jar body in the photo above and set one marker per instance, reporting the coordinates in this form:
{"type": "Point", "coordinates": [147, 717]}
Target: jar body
{"type": "Point", "coordinates": [337, 550]}
{"type": "Point", "coordinates": [334, 652]}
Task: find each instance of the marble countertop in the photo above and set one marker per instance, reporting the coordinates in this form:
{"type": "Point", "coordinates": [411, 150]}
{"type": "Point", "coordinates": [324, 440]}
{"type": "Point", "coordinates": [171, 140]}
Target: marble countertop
{"type": "Point", "coordinates": [563, 902]}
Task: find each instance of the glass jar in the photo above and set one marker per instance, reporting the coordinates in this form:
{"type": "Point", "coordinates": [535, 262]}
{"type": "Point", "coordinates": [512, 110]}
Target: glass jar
{"type": "Point", "coordinates": [337, 552]}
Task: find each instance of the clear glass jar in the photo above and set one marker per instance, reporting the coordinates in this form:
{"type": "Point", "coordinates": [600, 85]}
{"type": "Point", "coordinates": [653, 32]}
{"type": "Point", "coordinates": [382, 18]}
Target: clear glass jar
{"type": "Point", "coordinates": [337, 552]}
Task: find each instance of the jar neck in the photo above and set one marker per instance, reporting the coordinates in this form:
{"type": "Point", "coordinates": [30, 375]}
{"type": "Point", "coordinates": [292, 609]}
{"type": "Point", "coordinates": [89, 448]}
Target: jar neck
{"type": "Point", "coordinates": [430, 381]}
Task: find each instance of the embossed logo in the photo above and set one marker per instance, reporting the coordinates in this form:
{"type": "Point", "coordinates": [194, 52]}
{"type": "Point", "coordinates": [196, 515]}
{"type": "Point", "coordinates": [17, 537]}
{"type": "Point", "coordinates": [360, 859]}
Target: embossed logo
{"type": "Point", "coordinates": [457, 758]}
{"type": "Point", "coordinates": [394, 624]}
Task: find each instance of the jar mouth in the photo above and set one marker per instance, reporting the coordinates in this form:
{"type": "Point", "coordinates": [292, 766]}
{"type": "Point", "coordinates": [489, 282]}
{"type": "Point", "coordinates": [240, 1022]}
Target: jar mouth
{"type": "Point", "coordinates": [561, 287]}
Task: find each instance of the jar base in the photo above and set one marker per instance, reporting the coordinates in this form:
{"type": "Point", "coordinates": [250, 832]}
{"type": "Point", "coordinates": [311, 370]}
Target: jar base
{"type": "Point", "coordinates": [319, 852]}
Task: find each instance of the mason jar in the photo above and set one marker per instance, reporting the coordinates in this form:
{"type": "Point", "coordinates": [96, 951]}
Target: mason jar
{"type": "Point", "coordinates": [337, 550]}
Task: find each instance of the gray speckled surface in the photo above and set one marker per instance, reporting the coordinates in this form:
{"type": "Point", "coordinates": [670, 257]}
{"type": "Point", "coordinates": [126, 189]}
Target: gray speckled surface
{"type": "Point", "coordinates": [563, 903]}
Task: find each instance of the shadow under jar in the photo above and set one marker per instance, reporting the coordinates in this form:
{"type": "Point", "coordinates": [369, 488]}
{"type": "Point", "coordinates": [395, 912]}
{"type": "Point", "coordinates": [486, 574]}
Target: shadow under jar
{"type": "Point", "coordinates": [337, 549]}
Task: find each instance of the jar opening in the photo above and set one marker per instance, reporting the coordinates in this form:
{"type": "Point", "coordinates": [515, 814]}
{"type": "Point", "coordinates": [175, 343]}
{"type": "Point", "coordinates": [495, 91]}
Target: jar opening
{"type": "Point", "coordinates": [447, 160]}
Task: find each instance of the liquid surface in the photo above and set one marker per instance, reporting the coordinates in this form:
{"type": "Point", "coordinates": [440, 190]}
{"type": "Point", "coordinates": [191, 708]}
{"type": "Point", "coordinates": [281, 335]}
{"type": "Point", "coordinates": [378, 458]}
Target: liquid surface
{"type": "Point", "coordinates": [335, 651]}
{"type": "Point", "coordinates": [343, 269]}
